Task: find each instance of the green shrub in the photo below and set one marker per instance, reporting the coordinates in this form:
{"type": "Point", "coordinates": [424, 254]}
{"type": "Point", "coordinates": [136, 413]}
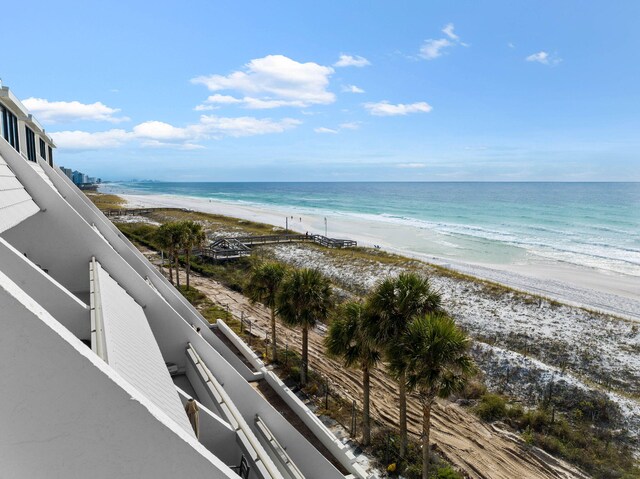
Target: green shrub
{"type": "Point", "coordinates": [492, 407]}
{"type": "Point", "coordinates": [446, 472]}
{"type": "Point", "coordinates": [473, 390]}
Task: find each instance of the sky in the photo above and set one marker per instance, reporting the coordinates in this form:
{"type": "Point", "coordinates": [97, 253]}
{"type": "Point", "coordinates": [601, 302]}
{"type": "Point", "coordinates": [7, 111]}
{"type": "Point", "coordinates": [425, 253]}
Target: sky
{"type": "Point", "coordinates": [334, 90]}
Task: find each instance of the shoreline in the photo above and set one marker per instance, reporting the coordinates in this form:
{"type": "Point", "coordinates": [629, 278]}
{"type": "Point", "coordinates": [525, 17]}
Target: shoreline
{"type": "Point", "coordinates": [610, 293]}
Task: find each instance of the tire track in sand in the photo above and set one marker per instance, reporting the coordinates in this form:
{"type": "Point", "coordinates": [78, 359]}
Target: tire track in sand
{"type": "Point", "coordinates": [481, 450]}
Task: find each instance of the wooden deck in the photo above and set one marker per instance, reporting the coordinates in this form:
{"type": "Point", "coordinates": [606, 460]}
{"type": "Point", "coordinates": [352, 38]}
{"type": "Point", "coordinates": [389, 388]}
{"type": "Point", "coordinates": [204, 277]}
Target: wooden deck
{"type": "Point", "coordinates": [137, 211]}
{"type": "Point", "coordinates": [229, 248]}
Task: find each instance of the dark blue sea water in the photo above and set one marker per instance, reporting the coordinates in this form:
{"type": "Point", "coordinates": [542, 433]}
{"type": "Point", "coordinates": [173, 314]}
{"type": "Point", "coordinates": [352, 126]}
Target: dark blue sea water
{"type": "Point", "coordinates": [590, 224]}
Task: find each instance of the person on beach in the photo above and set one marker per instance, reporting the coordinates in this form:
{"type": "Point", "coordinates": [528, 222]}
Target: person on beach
{"type": "Point", "coordinates": [192, 410]}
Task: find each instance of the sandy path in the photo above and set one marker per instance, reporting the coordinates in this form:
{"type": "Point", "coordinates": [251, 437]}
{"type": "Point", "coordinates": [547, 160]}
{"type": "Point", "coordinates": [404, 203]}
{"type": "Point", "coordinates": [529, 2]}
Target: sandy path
{"type": "Point", "coordinates": [481, 450]}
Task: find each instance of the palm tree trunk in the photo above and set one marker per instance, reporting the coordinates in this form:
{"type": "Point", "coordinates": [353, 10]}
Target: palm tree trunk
{"type": "Point", "coordinates": [177, 269]}
{"type": "Point", "coordinates": [426, 430]}
{"type": "Point", "coordinates": [366, 420]}
{"type": "Point", "coordinates": [402, 380]}
{"type": "Point", "coordinates": [274, 349]}
{"type": "Point", "coordinates": [188, 265]}
{"type": "Point", "coordinates": [170, 268]}
{"type": "Point", "coordinates": [305, 356]}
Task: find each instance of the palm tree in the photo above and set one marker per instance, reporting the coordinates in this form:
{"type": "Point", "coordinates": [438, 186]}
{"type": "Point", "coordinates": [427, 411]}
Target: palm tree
{"type": "Point", "coordinates": [347, 338]}
{"type": "Point", "coordinates": [433, 354]}
{"type": "Point", "coordinates": [393, 304]}
{"type": "Point", "coordinates": [263, 287]}
{"type": "Point", "coordinates": [193, 238]}
{"type": "Point", "coordinates": [304, 300]}
{"type": "Point", "coordinates": [177, 235]}
{"type": "Point", "coordinates": [164, 238]}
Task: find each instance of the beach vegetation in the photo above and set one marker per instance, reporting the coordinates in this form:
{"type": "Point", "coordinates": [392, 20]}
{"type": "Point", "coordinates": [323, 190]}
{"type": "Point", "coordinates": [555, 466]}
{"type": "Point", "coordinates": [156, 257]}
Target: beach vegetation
{"type": "Point", "coordinates": [577, 434]}
{"type": "Point", "coordinates": [348, 339]}
{"type": "Point", "coordinates": [304, 300]}
{"type": "Point", "coordinates": [263, 286]}
{"type": "Point", "coordinates": [392, 305]}
{"type": "Point", "coordinates": [106, 201]}
{"type": "Point", "coordinates": [491, 407]}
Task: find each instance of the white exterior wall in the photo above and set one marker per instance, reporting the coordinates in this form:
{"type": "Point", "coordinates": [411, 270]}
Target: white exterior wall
{"type": "Point", "coordinates": [15, 203]}
{"type": "Point", "coordinates": [67, 414]}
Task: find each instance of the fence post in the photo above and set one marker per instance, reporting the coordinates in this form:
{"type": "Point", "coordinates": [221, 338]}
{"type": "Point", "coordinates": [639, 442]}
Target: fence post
{"type": "Point", "coordinates": [386, 450]}
{"type": "Point", "coordinates": [353, 419]}
{"type": "Point", "coordinates": [241, 321]}
{"type": "Point", "coordinates": [326, 395]}
{"type": "Point", "coordinates": [286, 353]}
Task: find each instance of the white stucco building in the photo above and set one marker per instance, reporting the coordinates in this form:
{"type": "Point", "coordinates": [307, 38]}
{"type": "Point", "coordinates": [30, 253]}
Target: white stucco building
{"type": "Point", "coordinates": [87, 328]}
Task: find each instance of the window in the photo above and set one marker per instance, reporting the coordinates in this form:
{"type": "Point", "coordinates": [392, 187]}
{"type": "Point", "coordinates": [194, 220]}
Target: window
{"type": "Point", "coordinates": [43, 150]}
{"type": "Point", "coordinates": [50, 156]}
{"type": "Point", "coordinates": [31, 144]}
{"type": "Point", "coordinates": [10, 128]}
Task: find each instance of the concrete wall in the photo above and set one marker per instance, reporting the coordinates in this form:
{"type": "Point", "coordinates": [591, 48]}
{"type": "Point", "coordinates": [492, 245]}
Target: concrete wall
{"type": "Point", "coordinates": [249, 403]}
{"type": "Point", "coordinates": [215, 434]}
{"type": "Point", "coordinates": [326, 437]}
{"type": "Point", "coordinates": [74, 314]}
{"type": "Point", "coordinates": [65, 413]}
{"type": "Point", "coordinates": [244, 349]}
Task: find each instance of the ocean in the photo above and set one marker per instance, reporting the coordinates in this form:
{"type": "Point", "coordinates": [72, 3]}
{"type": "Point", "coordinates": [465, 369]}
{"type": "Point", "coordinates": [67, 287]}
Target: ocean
{"type": "Point", "coordinates": [592, 225]}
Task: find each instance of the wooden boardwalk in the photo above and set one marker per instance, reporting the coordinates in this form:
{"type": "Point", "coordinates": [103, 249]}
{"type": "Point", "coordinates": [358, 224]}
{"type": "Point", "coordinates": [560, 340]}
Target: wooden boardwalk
{"type": "Point", "coordinates": [229, 248]}
{"type": "Point", "coordinates": [137, 211]}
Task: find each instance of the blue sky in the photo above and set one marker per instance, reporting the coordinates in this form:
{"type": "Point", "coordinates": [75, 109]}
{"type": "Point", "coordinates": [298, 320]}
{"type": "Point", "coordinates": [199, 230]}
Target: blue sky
{"type": "Point", "coordinates": [332, 90]}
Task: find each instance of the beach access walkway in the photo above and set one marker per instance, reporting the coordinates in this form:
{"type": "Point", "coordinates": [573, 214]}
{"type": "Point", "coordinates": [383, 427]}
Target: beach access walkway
{"type": "Point", "coordinates": [135, 211]}
{"type": "Point", "coordinates": [236, 247]}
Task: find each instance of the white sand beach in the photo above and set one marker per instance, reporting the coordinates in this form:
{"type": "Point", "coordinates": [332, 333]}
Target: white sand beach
{"type": "Point", "coordinates": [607, 292]}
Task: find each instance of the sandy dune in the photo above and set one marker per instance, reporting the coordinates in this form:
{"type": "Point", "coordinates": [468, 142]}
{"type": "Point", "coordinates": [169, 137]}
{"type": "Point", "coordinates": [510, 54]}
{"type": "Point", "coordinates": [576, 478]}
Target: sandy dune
{"type": "Point", "coordinates": [478, 449]}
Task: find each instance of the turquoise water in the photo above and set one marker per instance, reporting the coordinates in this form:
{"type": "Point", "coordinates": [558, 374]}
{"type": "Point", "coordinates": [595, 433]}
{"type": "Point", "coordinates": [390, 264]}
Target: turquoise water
{"type": "Point", "coordinates": [595, 225]}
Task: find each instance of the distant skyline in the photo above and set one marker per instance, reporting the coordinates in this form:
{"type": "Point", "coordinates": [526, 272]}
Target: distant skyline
{"type": "Point", "coordinates": [332, 91]}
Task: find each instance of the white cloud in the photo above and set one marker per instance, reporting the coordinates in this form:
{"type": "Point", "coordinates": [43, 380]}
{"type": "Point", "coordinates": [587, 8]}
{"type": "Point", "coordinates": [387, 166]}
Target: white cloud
{"type": "Point", "coordinates": [215, 126]}
{"type": "Point", "coordinates": [543, 57]}
{"type": "Point", "coordinates": [352, 89]}
{"type": "Point", "coordinates": [54, 111]}
{"type": "Point", "coordinates": [511, 45]}
{"type": "Point", "coordinates": [260, 104]}
{"type": "Point", "coordinates": [322, 129]}
{"type": "Point", "coordinates": [434, 48]}
{"type": "Point", "coordinates": [540, 57]}
{"type": "Point", "coordinates": [223, 99]}
{"type": "Point", "coordinates": [204, 107]}
{"type": "Point", "coordinates": [448, 31]}
{"type": "Point", "coordinates": [351, 61]}
{"type": "Point", "coordinates": [352, 125]}
{"type": "Point", "coordinates": [161, 134]}
{"type": "Point", "coordinates": [384, 108]}
{"type": "Point", "coordinates": [275, 80]}
{"type": "Point", "coordinates": [83, 140]}
{"type": "Point", "coordinates": [411, 165]}
{"type": "Point", "coordinates": [431, 49]}
{"type": "Point", "coordinates": [160, 131]}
